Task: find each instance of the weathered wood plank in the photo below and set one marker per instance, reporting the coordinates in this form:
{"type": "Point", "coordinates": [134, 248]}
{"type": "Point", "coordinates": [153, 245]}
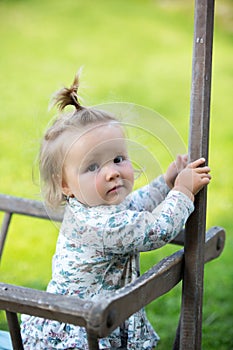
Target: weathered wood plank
{"type": "Point", "coordinates": [43, 304]}
{"type": "Point", "coordinates": [29, 207]}
{"type": "Point", "coordinates": [179, 239]}
{"type": "Point", "coordinates": [14, 330]}
{"type": "Point", "coordinates": [16, 205]}
{"type": "Point", "coordinates": [191, 313]}
{"type": "Point", "coordinates": [4, 229]}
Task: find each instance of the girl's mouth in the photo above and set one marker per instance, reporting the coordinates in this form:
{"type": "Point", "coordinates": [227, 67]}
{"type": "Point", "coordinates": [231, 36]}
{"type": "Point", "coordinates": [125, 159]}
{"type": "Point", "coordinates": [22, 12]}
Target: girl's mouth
{"type": "Point", "coordinates": [114, 189]}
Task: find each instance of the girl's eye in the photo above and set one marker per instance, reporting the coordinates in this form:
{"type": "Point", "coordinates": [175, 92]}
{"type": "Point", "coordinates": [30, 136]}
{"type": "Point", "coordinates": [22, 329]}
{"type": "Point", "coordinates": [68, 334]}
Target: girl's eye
{"type": "Point", "coordinates": [93, 167]}
{"type": "Point", "coordinates": [119, 159]}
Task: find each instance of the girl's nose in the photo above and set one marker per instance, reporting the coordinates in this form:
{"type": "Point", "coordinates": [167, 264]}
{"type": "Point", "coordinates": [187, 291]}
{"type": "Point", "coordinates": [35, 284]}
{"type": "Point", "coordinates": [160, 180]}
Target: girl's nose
{"type": "Point", "coordinates": [111, 172]}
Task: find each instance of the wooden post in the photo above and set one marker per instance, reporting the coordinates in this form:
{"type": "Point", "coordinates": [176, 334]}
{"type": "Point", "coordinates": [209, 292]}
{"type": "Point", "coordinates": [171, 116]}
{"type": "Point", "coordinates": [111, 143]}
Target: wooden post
{"type": "Point", "coordinates": [92, 341]}
{"type": "Point", "coordinates": [4, 230]}
{"type": "Point", "coordinates": [191, 313]}
{"type": "Point", "coordinates": [14, 328]}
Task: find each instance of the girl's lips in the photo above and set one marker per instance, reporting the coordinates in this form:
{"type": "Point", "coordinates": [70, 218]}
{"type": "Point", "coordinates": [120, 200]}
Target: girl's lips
{"type": "Point", "coordinates": [114, 189]}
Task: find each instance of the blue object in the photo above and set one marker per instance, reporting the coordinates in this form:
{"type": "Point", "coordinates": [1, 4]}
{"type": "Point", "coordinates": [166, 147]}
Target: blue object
{"type": "Point", "coordinates": [5, 341]}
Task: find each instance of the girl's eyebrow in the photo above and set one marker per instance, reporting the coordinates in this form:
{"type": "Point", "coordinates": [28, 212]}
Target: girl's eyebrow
{"type": "Point", "coordinates": [95, 154]}
{"type": "Point", "coordinates": [89, 159]}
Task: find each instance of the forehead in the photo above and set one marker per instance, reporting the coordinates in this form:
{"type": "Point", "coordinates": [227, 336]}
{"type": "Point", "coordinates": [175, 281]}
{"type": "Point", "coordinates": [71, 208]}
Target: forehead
{"type": "Point", "coordinates": [98, 139]}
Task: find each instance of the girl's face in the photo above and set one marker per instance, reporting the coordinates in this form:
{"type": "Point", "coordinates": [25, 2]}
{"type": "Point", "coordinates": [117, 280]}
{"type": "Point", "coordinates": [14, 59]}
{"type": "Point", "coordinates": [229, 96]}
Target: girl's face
{"type": "Point", "coordinates": [96, 169]}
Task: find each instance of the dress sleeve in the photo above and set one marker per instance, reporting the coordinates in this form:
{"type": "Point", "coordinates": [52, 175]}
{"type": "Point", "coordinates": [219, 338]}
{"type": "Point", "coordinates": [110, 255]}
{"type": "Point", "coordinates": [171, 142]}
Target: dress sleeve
{"type": "Point", "coordinates": [150, 196]}
{"type": "Point", "coordinates": [131, 231]}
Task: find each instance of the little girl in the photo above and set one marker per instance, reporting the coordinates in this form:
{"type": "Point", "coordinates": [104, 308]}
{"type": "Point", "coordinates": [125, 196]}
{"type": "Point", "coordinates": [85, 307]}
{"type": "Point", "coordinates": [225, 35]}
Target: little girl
{"type": "Point", "coordinates": [84, 164]}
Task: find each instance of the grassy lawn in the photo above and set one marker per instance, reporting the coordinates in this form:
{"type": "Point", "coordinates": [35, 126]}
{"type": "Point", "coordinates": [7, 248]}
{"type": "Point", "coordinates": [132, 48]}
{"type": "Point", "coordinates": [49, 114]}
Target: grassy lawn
{"type": "Point", "coordinates": [132, 51]}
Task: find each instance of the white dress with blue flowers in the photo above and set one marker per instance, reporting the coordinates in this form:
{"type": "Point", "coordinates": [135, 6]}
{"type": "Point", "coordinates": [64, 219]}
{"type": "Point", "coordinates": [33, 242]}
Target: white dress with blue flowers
{"type": "Point", "coordinates": [98, 252]}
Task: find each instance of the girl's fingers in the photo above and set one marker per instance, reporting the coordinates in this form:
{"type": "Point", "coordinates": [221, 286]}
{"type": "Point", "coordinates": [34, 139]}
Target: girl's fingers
{"type": "Point", "coordinates": [178, 160]}
{"type": "Point", "coordinates": [181, 161]}
{"type": "Point", "coordinates": [197, 163]}
{"type": "Point", "coordinates": [201, 170]}
{"type": "Point", "coordinates": [206, 177]}
{"type": "Point", "coordinates": [206, 180]}
{"type": "Point", "coordinates": [185, 158]}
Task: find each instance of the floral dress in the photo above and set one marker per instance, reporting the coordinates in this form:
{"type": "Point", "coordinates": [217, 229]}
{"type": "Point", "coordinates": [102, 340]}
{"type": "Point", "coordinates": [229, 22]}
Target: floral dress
{"type": "Point", "coordinates": [98, 252]}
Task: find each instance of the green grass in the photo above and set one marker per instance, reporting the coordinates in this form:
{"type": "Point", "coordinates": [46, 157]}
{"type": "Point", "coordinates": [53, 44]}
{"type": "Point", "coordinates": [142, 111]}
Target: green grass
{"type": "Point", "coordinates": [132, 51]}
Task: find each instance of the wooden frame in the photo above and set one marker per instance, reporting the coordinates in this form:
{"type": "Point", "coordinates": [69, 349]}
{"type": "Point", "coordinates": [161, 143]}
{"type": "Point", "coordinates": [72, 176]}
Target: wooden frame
{"type": "Point", "coordinates": [101, 317]}
{"type": "Point", "coordinates": [187, 264]}
{"type": "Point", "coordinates": [191, 310]}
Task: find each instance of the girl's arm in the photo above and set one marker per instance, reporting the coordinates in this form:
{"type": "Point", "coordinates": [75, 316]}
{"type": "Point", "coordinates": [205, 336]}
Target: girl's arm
{"type": "Point", "coordinates": [132, 231]}
{"type": "Point", "coordinates": [149, 196]}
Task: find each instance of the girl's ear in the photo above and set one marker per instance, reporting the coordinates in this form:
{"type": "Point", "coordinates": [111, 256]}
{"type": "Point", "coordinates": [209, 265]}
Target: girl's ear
{"type": "Point", "coordinates": [65, 189]}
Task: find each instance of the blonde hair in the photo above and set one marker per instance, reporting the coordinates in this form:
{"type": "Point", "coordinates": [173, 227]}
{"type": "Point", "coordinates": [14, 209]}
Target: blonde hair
{"type": "Point", "coordinates": [58, 138]}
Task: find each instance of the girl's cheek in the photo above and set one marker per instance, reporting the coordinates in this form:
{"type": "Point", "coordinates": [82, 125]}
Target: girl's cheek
{"type": "Point", "coordinates": [131, 174]}
{"type": "Point", "coordinates": [98, 184]}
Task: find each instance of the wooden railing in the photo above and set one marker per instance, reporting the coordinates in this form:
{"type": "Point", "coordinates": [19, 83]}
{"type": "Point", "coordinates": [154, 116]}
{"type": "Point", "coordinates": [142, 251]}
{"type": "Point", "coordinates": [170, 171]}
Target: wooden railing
{"type": "Point", "coordinates": [101, 317]}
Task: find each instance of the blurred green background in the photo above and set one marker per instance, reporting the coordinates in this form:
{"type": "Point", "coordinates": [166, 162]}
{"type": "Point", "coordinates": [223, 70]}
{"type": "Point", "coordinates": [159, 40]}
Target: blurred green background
{"type": "Point", "coordinates": [137, 51]}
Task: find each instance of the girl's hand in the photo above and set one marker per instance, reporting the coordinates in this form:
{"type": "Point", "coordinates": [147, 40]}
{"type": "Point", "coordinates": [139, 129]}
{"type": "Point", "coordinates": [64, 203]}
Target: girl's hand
{"type": "Point", "coordinates": [175, 168]}
{"type": "Point", "coordinates": [193, 178]}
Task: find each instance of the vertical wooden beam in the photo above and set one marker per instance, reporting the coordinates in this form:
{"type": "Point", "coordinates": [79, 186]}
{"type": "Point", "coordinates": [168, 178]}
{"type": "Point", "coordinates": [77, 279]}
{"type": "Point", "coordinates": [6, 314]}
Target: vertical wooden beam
{"type": "Point", "coordinates": [191, 313]}
{"type": "Point", "coordinates": [14, 328]}
{"type": "Point", "coordinates": [92, 341]}
{"type": "Point", "coordinates": [4, 230]}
